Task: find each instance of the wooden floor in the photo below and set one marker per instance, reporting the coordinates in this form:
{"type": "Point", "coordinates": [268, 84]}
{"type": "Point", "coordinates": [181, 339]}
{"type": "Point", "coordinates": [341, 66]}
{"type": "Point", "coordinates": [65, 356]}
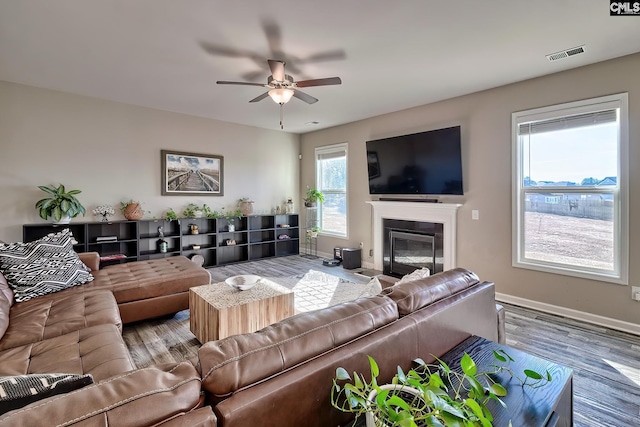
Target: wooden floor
{"type": "Point", "coordinates": [606, 363]}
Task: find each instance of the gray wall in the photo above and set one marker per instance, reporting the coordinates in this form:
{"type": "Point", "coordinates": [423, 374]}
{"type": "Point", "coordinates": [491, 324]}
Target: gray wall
{"type": "Point", "coordinates": [111, 152]}
{"type": "Point", "coordinates": [484, 246]}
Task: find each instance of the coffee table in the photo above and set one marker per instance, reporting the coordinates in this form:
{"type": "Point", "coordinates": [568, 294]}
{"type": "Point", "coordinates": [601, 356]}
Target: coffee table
{"type": "Point", "coordinates": [218, 310]}
{"type": "Point", "coordinates": [548, 406]}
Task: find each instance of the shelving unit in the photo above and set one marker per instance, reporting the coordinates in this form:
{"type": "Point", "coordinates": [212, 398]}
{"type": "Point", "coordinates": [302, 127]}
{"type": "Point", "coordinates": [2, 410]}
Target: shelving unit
{"type": "Point", "coordinates": [256, 237]}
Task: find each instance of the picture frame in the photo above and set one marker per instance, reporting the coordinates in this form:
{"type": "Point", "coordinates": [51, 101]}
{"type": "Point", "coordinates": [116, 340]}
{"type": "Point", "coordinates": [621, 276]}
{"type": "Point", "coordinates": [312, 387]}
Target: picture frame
{"type": "Point", "coordinates": [192, 174]}
{"type": "Point", "coordinates": [373, 166]}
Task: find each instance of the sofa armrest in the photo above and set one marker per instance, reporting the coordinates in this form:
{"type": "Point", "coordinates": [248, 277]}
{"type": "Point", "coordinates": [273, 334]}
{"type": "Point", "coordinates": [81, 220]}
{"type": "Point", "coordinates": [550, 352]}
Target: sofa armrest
{"type": "Point", "coordinates": [203, 417]}
{"type": "Point", "coordinates": [91, 260]}
{"type": "Point", "coordinates": [502, 337]}
{"type": "Point", "coordinates": [142, 397]}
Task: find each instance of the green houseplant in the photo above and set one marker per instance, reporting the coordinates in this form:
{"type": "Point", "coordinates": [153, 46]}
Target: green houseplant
{"type": "Point", "coordinates": [61, 206]}
{"type": "Point", "coordinates": [428, 395]}
{"type": "Point", "coordinates": [231, 217]}
{"type": "Point", "coordinates": [312, 197]}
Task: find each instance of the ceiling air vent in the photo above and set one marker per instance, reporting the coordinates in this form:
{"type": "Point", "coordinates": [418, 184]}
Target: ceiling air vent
{"type": "Point", "coordinates": [566, 53]}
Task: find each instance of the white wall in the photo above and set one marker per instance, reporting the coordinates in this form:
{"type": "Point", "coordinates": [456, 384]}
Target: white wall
{"type": "Point", "coordinates": [111, 152]}
{"type": "Point", "coordinates": [484, 246]}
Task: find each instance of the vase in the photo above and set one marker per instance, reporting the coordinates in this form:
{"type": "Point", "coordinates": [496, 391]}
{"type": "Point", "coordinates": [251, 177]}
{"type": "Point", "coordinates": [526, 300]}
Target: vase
{"type": "Point", "coordinates": [231, 227]}
{"type": "Point", "coordinates": [66, 219]}
{"type": "Point", "coordinates": [133, 212]}
{"type": "Point", "coordinates": [246, 207]}
{"type": "Point", "coordinates": [406, 393]}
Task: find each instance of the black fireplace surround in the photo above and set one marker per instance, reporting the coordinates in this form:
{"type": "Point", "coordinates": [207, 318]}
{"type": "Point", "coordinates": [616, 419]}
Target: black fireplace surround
{"type": "Point", "coordinates": [410, 245]}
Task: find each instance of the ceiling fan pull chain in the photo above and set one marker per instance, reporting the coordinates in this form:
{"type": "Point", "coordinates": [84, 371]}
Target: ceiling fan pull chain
{"type": "Point", "coordinates": [281, 117]}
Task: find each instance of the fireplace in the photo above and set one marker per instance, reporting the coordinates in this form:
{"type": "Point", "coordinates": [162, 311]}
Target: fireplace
{"type": "Point", "coordinates": [441, 217]}
{"type": "Point", "coordinates": [410, 245]}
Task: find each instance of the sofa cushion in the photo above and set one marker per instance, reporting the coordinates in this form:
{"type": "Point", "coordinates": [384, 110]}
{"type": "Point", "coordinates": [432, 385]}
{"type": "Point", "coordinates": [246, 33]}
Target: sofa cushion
{"type": "Point", "coordinates": [57, 314]}
{"type": "Point", "coordinates": [97, 350]}
{"type": "Point", "coordinates": [240, 360]}
{"type": "Point", "coordinates": [43, 266]}
{"type": "Point", "coordinates": [420, 273]}
{"type": "Point", "coordinates": [21, 390]}
{"type": "Point", "coordinates": [416, 294]}
{"type": "Point", "coordinates": [133, 281]}
{"type": "Point", "coordinates": [142, 397]}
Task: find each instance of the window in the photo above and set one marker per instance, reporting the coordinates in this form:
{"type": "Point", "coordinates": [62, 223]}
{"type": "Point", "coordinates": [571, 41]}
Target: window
{"type": "Point", "coordinates": [331, 180]}
{"type": "Point", "coordinates": [570, 189]}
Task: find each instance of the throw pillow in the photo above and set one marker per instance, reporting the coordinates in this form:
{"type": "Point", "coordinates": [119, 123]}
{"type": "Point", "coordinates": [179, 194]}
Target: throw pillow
{"type": "Point", "coordinates": [43, 266]}
{"type": "Point", "coordinates": [417, 274]}
{"type": "Point", "coordinates": [21, 390]}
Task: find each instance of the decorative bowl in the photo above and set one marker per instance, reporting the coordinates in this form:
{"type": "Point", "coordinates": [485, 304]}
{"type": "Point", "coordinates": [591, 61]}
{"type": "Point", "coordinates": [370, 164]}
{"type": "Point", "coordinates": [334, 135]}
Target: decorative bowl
{"type": "Point", "coordinates": [242, 282]}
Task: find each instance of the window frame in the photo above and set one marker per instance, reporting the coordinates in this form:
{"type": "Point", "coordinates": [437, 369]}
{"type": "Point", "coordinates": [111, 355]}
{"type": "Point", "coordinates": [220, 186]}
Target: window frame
{"type": "Point", "coordinates": [331, 149]}
{"type": "Point", "coordinates": [620, 272]}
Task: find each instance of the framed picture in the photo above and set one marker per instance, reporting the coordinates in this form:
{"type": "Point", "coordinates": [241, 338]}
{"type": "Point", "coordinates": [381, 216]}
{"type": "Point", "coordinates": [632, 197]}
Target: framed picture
{"type": "Point", "coordinates": [192, 174]}
{"type": "Point", "coordinates": [372, 164]}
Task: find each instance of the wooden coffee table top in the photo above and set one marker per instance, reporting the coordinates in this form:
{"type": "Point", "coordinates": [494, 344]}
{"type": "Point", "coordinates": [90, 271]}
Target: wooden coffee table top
{"type": "Point", "coordinates": [220, 295]}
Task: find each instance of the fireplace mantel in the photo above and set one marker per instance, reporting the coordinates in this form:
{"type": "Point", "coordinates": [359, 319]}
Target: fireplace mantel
{"type": "Point", "coordinates": [444, 213]}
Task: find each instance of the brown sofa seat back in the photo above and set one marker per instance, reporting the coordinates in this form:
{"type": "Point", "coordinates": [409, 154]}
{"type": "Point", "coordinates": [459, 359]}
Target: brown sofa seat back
{"type": "Point", "coordinates": [239, 361]}
{"type": "Point", "coordinates": [124, 400]}
{"type": "Point", "coordinates": [97, 350]}
{"type": "Point", "coordinates": [139, 280]}
{"type": "Point", "coordinates": [434, 329]}
{"type": "Point", "coordinates": [57, 314]}
{"type": "Point", "coordinates": [414, 295]}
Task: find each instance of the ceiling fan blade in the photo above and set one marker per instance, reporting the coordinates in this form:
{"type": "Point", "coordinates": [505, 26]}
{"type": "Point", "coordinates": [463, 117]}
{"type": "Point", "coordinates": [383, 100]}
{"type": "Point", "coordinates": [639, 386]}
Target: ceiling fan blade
{"type": "Point", "coordinates": [304, 97]}
{"type": "Point", "coordinates": [320, 82]}
{"type": "Point", "coordinates": [260, 98]}
{"type": "Point", "coordinates": [222, 82]}
{"type": "Point", "coordinates": [330, 55]}
{"type": "Point", "coordinates": [277, 69]}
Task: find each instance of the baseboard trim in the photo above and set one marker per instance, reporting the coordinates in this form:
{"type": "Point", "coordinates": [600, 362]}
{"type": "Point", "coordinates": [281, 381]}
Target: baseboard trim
{"type": "Point", "coordinates": [595, 319]}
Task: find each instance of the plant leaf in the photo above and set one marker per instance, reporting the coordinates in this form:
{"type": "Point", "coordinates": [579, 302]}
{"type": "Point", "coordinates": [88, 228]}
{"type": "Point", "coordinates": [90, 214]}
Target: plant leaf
{"type": "Point", "coordinates": [475, 408]}
{"type": "Point", "coordinates": [498, 390]}
{"type": "Point", "coordinates": [468, 365]}
{"type": "Point", "coordinates": [499, 356]}
{"type": "Point", "coordinates": [342, 374]}
{"type": "Point", "coordinates": [375, 371]}
{"type": "Point", "coordinates": [532, 374]}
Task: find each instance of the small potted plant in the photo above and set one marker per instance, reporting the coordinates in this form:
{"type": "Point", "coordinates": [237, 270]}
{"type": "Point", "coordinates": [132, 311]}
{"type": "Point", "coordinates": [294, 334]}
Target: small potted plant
{"type": "Point", "coordinates": [231, 217]}
{"type": "Point", "coordinates": [132, 210]}
{"type": "Point", "coordinates": [170, 215]}
{"type": "Point", "coordinates": [193, 211]}
{"type": "Point", "coordinates": [312, 197]}
{"type": "Point", "coordinates": [430, 394]}
{"type": "Point", "coordinates": [312, 233]}
{"type": "Point", "coordinates": [61, 206]}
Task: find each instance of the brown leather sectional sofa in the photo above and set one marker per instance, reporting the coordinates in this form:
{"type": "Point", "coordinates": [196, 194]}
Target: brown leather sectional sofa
{"type": "Point", "coordinates": [279, 376]}
{"type": "Point", "coordinates": [79, 331]}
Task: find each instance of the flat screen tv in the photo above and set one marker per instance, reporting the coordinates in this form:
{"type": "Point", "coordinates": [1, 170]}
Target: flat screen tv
{"type": "Point", "coordinates": [425, 163]}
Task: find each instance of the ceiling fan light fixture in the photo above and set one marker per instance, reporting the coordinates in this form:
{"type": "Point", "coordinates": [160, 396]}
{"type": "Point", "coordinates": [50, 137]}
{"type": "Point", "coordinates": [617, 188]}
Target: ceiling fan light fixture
{"type": "Point", "coordinates": [281, 95]}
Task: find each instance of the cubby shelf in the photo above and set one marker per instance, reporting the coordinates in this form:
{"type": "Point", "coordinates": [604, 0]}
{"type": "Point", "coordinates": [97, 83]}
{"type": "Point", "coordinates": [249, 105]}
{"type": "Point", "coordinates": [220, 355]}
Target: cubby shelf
{"type": "Point", "coordinates": [256, 236]}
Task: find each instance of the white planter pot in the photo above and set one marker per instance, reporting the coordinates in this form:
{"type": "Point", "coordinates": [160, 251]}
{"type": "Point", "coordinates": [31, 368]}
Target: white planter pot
{"type": "Point", "coordinates": [372, 421]}
{"type": "Point", "coordinates": [231, 227]}
{"type": "Point", "coordinates": [66, 219]}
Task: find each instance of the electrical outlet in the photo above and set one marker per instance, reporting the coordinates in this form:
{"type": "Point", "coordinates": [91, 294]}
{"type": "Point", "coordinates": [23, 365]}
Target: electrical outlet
{"type": "Point", "coordinates": [361, 245]}
{"type": "Point", "coordinates": [370, 252]}
{"type": "Point", "coordinates": [475, 214]}
{"type": "Point", "coordinates": [635, 293]}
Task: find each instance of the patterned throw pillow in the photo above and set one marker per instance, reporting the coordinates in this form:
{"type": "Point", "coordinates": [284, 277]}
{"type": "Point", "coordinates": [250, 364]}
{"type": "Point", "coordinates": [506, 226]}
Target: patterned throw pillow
{"type": "Point", "coordinates": [43, 266]}
{"type": "Point", "coordinates": [21, 390]}
{"type": "Point", "coordinates": [417, 274]}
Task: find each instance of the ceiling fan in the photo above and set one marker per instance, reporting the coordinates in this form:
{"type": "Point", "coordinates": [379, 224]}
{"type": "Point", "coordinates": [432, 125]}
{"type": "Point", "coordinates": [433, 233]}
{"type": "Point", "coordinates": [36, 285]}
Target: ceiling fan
{"type": "Point", "coordinates": [282, 87]}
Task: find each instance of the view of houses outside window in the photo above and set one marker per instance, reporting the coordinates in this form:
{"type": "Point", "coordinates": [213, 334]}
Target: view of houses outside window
{"type": "Point", "coordinates": [568, 201]}
{"type": "Point", "coordinates": [331, 170]}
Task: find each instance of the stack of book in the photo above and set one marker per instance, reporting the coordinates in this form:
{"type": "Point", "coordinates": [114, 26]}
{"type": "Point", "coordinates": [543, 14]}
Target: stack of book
{"type": "Point", "coordinates": [103, 239]}
{"type": "Point", "coordinates": [112, 257]}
